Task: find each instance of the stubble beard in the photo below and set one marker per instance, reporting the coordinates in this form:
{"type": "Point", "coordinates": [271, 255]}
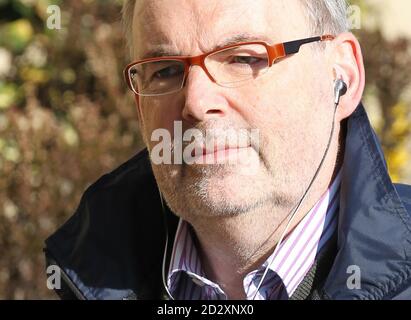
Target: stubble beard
{"type": "Point", "coordinates": [218, 191]}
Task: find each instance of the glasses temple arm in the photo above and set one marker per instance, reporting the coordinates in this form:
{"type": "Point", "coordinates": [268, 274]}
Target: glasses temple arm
{"type": "Point", "coordinates": [293, 47]}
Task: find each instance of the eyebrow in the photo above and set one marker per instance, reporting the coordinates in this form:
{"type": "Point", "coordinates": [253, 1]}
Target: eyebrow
{"type": "Point", "coordinates": [243, 37]}
{"type": "Point", "coordinates": [164, 50]}
{"type": "Point", "coordinates": [160, 51]}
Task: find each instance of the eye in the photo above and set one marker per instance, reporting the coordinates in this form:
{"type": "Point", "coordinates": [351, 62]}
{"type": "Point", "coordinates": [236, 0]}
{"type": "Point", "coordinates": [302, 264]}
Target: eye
{"type": "Point", "coordinates": [168, 72]}
{"type": "Point", "coordinates": [246, 60]}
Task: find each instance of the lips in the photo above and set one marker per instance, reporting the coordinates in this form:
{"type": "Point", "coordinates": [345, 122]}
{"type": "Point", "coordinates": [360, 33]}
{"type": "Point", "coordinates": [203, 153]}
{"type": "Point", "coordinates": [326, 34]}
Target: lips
{"type": "Point", "coordinates": [203, 151]}
{"type": "Point", "coordinates": [221, 148]}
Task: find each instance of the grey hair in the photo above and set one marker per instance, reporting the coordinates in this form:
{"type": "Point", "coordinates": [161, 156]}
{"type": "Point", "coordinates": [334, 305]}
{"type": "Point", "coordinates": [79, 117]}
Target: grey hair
{"type": "Point", "coordinates": [127, 18]}
{"type": "Point", "coordinates": [326, 17]}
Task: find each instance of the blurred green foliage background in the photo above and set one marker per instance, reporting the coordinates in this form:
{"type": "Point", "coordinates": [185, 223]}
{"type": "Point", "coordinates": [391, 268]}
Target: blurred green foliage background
{"type": "Point", "coordinates": [66, 118]}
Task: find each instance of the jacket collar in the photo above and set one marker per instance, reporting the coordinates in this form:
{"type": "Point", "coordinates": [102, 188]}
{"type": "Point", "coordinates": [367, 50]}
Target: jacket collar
{"type": "Point", "coordinates": [374, 231]}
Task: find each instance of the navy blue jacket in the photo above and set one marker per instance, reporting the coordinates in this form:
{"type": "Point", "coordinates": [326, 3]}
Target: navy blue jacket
{"type": "Point", "coordinates": [112, 247]}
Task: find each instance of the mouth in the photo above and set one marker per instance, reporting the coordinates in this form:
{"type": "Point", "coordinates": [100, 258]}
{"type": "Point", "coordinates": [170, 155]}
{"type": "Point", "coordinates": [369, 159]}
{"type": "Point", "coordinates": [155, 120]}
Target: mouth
{"type": "Point", "coordinates": [221, 149]}
{"type": "Point", "coordinates": [219, 153]}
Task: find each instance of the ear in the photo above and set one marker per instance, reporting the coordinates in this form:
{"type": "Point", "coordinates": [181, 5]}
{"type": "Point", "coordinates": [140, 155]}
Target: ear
{"type": "Point", "coordinates": [349, 66]}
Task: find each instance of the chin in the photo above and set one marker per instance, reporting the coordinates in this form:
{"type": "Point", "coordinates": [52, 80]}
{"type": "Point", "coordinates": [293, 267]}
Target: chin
{"type": "Point", "coordinates": [222, 192]}
{"type": "Point", "coordinates": [216, 190]}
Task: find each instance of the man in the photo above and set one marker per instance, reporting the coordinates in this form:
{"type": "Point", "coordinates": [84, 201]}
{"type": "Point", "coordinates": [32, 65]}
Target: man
{"type": "Point", "coordinates": [309, 213]}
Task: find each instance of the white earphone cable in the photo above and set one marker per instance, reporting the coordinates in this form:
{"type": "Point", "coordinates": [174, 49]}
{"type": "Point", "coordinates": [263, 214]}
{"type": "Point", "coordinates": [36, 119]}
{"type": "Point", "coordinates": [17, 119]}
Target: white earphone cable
{"type": "Point", "coordinates": [165, 249]}
{"type": "Point", "coordinates": [294, 211]}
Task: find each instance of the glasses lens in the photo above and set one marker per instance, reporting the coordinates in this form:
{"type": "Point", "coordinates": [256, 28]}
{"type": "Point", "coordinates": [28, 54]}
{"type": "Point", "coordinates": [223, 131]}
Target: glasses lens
{"type": "Point", "coordinates": [157, 77]}
{"type": "Point", "coordinates": [232, 66]}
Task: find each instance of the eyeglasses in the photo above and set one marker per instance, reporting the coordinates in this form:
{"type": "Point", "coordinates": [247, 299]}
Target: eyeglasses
{"type": "Point", "coordinates": [229, 66]}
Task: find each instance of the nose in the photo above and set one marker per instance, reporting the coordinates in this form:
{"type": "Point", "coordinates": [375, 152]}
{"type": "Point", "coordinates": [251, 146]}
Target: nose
{"type": "Point", "coordinates": [203, 98]}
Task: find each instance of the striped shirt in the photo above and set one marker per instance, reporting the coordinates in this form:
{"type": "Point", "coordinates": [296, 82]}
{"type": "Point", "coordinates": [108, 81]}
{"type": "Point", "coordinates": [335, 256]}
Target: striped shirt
{"type": "Point", "coordinates": [187, 281]}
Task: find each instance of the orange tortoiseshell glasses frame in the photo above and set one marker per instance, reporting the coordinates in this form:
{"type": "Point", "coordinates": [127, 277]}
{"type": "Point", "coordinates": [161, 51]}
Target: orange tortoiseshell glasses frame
{"type": "Point", "coordinates": [274, 52]}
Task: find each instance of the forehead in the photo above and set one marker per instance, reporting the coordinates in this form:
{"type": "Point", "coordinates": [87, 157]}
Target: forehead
{"type": "Point", "coordinates": [188, 27]}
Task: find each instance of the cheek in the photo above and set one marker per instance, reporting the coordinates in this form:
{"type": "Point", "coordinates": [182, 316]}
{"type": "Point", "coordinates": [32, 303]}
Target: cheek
{"type": "Point", "coordinates": [270, 108]}
{"type": "Point", "coordinates": [288, 122]}
{"type": "Point", "coordinates": [293, 102]}
{"type": "Point", "coordinates": [159, 113]}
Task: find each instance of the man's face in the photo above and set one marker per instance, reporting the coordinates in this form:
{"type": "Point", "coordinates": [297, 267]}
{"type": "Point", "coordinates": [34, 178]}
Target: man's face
{"type": "Point", "coordinates": [290, 105]}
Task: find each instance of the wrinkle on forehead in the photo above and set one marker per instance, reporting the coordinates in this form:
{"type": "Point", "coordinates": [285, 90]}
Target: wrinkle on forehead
{"type": "Point", "coordinates": [191, 27]}
{"type": "Point", "coordinates": [149, 25]}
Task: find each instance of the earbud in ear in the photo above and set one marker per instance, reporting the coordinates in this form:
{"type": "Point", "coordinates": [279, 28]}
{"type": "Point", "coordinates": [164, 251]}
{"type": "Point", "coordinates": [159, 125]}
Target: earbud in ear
{"type": "Point", "coordinates": [340, 89]}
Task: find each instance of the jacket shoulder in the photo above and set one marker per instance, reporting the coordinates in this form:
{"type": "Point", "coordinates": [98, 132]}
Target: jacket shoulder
{"type": "Point", "coordinates": [135, 169]}
{"type": "Point", "coordinates": [115, 236]}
